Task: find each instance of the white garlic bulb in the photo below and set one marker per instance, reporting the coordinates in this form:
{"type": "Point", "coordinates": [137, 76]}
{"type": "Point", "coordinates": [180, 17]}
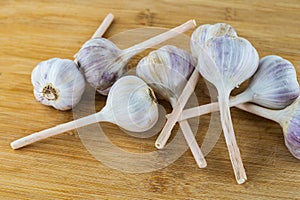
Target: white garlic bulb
{"type": "Point", "coordinates": [275, 84]}
{"type": "Point", "coordinates": [58, 83]}
{"type": "Point", "coordinates": [167, 70]}
{"type": "Point", "coordinates": [205, 32]}
{"type": "Point", "coordinates": [131, 104]}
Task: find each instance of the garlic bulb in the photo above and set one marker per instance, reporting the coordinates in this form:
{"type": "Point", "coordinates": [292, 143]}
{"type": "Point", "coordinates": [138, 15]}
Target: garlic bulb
{"type": "Point", "coordinates": [131, 104]}
{"type": "Point", "coordinates": [167, 70]}
{"type": "Point", "coordinates": [288, 118]}
{"type": "Point", "coordinates": [199, 38]}
{"type": "Point", "coordinates": [205, 32]}
{"type": "Point", "coordinates": [58, 83]}
{"type": "Point", "coordinates": [226, 63]}
{"type": "Point", "coordinates": [103, 62]}
{"type": "Point", "coordinates": [274, 85]}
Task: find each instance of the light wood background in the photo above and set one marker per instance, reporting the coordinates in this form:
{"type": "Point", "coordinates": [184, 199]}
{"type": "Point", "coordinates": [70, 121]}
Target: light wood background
{"type": "Point", "coordinates": [61, 167]}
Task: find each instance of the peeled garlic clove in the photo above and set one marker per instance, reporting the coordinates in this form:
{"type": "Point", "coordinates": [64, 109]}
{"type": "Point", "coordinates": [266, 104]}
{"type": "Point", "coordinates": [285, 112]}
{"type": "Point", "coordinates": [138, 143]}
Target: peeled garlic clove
{"type": "Point", "coordinates": [275, 83]}
{"type": "Point", "coordinates": [131, 104]}
{"type": "Point", "coordinates": [207, 31]}
{"type": "Point", "coordinates": [58, 83]}
{"type": "Point", "coordinates": [167, 70]}
{"type": "Point", "coordinates": [104, 63]}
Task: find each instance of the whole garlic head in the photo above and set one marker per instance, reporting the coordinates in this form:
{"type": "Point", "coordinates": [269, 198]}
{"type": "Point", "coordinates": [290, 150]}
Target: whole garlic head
{"type": "Point", "coordinates": [58, 83]}
{"type": "Point", "coordinates": [131, 104]}
{"type": "Point", "coordinates": [275, 84]}
{"type": "Point", "coordinates": [174, 66]}
{"type": "Point", "coordinates": [101, 62]}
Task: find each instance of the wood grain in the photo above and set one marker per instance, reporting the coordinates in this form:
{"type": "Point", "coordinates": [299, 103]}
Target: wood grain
{"type": "Point", "coordinates": [61, 167]}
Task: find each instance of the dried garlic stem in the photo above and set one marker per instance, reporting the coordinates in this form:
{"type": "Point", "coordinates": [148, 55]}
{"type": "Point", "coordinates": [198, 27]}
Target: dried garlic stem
{"type": "Point", "coordinates": [104, 26]}
{"type": "Point", "coordinates": [97, 117]}
{"type": "Point", "coordinates": [232, 146]}
{"type": "Point", "coordinates": [191, 140]}
{"type": "Point", "coordinates": [260, 111]}
{"type": "Point", "coordinates": [129, 52]}
{"type": "Point", "coordinates": [101, 29]}
{"type": "Point", "coordinates": [173, 117]}
{"type": "Point", "coordinates": [213, 107]}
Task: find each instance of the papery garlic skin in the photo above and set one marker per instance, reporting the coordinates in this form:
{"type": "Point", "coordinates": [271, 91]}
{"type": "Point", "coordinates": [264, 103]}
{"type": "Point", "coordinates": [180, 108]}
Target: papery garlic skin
{"type": "Point", "coordinates": [174, 66]}
{"type": "Point", "coordinates": [275, 83]}
{"type": "Point", "coordinates": [58, 83]}
{"type": "Point", "coordinates": [132, 105]}
{"type": "Point", "coordinates": [98, 58]}
{"type": "Point", "coordinates": [207, 31]}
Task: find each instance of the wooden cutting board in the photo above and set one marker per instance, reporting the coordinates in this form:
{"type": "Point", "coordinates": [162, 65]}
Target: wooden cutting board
{"type": "Point", "coordinates": [62, 168]}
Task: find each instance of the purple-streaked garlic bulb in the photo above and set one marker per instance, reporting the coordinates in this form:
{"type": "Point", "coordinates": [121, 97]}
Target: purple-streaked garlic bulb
{"type": "Point", "coordinates": [103, 62]}
{"type": "Point", "coordinates": [131, 104]}
{"type": "Point", "coordinates": [200, 37]}
{"type": "Point", "coordinates": [288, 118]}
{"type": "Point", "coordinates": [205, 32]}
{"type": "Point", "coordinates": [226, 62]}
{"type": "Point", "coordinates": [167, 71]}
{"type": "Point", "coordinates": [274, 86]}
{"type": "Point", "coordinates": [58, 83]}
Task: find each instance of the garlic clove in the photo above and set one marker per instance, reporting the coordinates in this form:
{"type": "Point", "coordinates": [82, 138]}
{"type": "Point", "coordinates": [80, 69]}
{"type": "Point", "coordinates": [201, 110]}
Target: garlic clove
{"type": "Point", "coordinates": [275, 84]}
{"type": "Point", "coordinates": [58, 83]}
{"type": "Point", "coordinates": [207, 31]}
{"type": "Point", "coordinates": [103, 62]}
{"type": "Point", "coordinates": [131, 104]}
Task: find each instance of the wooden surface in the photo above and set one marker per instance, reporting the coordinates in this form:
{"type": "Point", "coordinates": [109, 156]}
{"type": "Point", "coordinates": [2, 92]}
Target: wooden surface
{"type": "Point", "coordinates": [62, 168]}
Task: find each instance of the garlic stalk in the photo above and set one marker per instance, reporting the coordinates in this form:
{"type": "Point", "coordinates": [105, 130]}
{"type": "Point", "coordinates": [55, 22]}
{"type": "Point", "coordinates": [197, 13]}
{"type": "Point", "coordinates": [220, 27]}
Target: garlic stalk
{"type": "Point", "coordinates": [289, 120]}
{"type": "Point", "coordinates": [198, 40]}
{"type": "Point", "coordinates": [226, 63]}
{"type": "Point", "coordinates": [58, 82]}
{"type": "Point", "coordinates": [131, 104]}
{"type": "Point", "coordinates": [103, 62]}
{"type": "Point", "coordinates": [274, 85]}
{"type": "Point", "coordinates": [167, 70]}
